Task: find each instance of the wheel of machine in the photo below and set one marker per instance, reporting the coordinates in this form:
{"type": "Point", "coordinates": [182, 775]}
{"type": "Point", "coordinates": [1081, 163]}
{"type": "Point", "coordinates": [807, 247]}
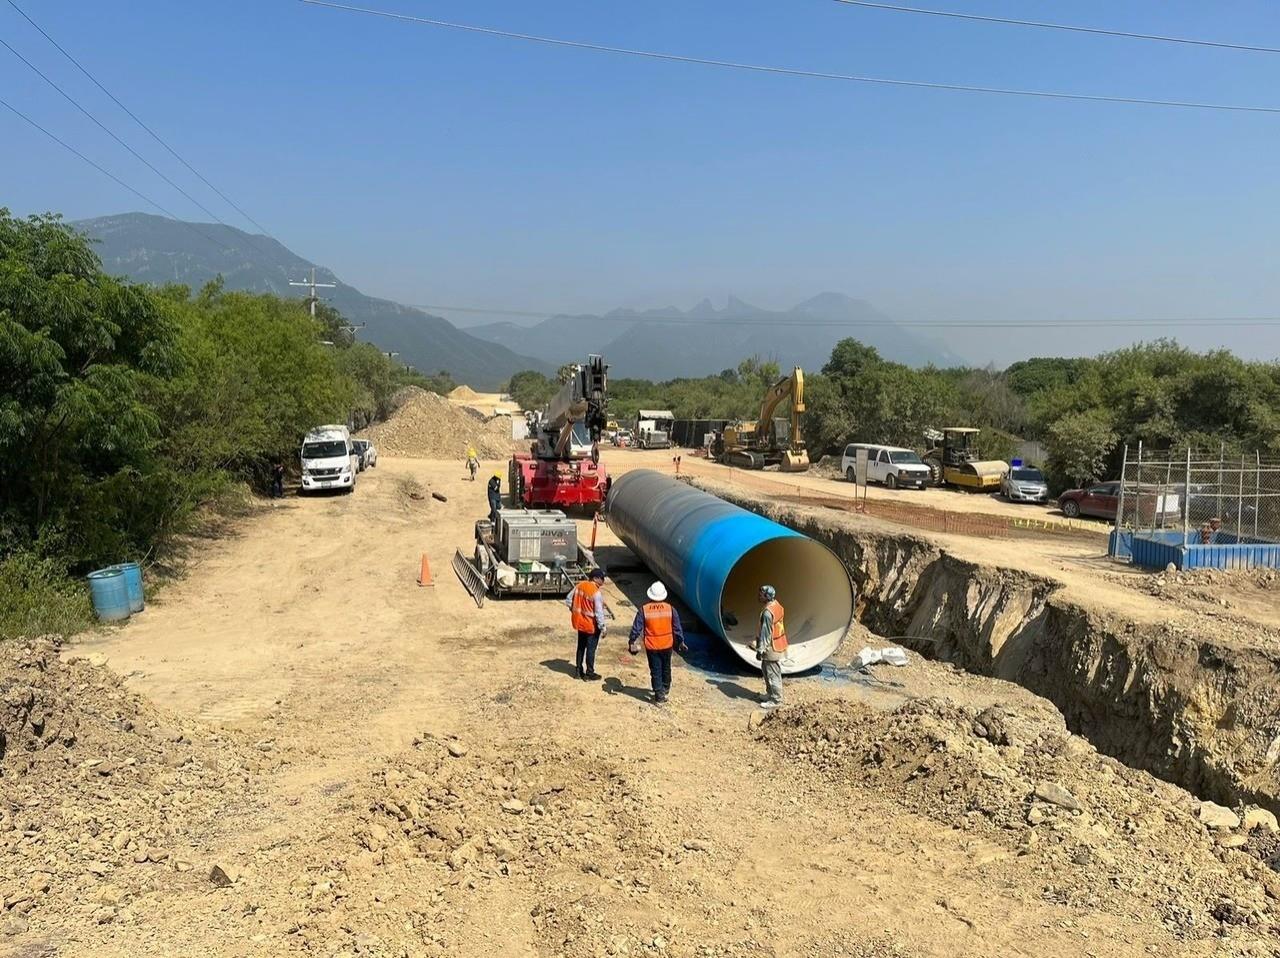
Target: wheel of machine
{"type": "Point", "coordinates": [1071, 509]}
{"type": "Point", "coordinates": [935, 471]}
{"type": "Point", "coordinates": [891, 481]}
{"type": "Point", "coordinates": [850, 474]}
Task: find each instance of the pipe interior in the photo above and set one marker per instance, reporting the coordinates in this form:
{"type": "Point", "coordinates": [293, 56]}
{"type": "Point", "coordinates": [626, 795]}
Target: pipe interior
{"type": "Point", "coordinates": [813, 588]}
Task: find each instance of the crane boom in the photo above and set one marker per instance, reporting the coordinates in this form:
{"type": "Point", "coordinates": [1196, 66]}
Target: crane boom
{"type": "Point", "coordinates": [562, 467]}
{"type": "Point", "coordinates": [582, 400]}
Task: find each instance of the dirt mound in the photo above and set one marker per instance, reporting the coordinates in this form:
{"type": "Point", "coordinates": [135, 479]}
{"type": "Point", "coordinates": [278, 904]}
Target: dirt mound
{"type": "Point", "coordinates": [1099, 834]}
{"type": "Point", "coordinates": [463, 393]}
{"type": "Point", "coordinates": [102, 800]}
{"type": "Point", "coordinates": [431, 427]}
{"type": "Point", "coordinates": [578, 843]}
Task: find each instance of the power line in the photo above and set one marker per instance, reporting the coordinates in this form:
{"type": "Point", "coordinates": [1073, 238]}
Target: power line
{"type": "Point", "coordinates": [1072, 28]}
{"type": "Point", "coordinates": [782, 321]}
{"type": "Point", "coordinates": [72, 100]}
{"type": "Point", "coordinates": [154, 135]}
{"type": "Point", "coordinates": [791, 71]}
{"type": "Point", "coordinates": [105, 172]}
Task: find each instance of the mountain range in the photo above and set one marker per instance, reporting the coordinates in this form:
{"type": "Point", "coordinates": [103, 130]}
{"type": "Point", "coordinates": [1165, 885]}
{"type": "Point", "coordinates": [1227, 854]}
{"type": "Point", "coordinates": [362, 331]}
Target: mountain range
{"type": "Point", "coordinates": [154, 249]}
{"type": "Point", "coordinates": [652, 344]}
{"type": "Point", "coordinates": [670, 343]}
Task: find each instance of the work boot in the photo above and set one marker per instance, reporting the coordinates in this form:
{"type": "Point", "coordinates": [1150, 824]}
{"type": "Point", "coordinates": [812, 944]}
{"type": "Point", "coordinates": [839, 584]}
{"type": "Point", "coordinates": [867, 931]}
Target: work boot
{"type": "Point", "coordinates": [592, 676]}
{"type": "Point", "coordinates": [580, 673]}
{"type": "Point", "coordinates": [660, 698]}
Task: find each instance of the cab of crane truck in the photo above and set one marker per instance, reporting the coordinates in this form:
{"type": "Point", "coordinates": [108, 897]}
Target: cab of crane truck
{"type": "Point", "coordinates": [329, 460]}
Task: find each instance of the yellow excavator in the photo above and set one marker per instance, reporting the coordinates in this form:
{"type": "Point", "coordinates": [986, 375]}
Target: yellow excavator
{"type": "Point", "coordinates": [754, 445]}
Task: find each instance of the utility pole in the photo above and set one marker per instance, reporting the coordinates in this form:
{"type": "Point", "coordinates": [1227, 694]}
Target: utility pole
{"type": "Point", "coordinates": [313, 298]}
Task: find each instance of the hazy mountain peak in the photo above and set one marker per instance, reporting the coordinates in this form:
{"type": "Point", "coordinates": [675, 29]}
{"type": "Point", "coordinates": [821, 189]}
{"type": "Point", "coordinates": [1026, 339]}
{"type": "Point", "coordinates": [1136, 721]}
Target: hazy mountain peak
{"type": "Point", "coordinates": [736, 307]}
{"type": "Point", "coordinates": [156, 249]}
{"type": "Point", "coordinates": [827, 303]}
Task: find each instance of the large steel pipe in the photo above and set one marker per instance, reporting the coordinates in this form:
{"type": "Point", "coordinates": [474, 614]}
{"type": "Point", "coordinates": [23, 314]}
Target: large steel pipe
{"type": "Point", "coordinates": [716, 556]}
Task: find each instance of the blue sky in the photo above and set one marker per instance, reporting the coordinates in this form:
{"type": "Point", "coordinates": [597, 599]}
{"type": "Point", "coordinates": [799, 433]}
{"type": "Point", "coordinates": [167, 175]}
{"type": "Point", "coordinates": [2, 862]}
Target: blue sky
{"type": "Point", "coordinates": [432, 166]}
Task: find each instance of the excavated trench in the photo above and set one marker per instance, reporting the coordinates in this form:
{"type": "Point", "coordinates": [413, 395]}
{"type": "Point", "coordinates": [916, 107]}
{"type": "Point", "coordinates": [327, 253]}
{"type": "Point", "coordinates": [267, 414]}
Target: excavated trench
{"type": "Point", "coordinates": [1193, 711]}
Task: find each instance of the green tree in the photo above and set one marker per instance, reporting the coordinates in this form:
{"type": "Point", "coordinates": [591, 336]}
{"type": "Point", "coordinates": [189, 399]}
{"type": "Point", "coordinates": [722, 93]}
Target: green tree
{"type": "Point", "coordinates": [255, 376]}
{"type": "Point", "coordinates": [79, 354]}
{"type": "Point", "coordinates": [863, 398]}
{"type": "Point", "coordinates": [1078, 447]}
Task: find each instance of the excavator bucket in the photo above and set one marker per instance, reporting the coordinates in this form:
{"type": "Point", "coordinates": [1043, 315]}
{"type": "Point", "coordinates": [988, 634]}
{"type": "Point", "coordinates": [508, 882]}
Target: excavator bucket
{"type": "Point", "coordinates": [794, 461]}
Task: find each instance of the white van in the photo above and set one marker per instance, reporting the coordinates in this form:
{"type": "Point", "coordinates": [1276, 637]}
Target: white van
{"type": "Point", "coordinates": [329, 459]}
{"type": "Point", "coordinates": [893, 466]}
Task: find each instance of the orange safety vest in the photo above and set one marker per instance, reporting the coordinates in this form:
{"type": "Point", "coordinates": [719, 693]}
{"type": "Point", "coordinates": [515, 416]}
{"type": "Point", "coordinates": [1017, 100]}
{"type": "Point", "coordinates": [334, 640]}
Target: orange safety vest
{"type": "Point", "coordinates": [658, 632]}
{"type": "Point", "coordinates": [584, 606]}
{"type": "Point", "coordinates": [779, 637]}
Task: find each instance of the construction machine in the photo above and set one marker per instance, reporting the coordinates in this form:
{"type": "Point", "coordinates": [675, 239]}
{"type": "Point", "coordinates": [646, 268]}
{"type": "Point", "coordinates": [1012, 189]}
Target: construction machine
{"type": "Point", "coordinates": [953, 460]}
{"type": "Point", "coordinates": [563, 467]}
{"type": "Point", "coordinates": [528, 552]}
{"type": "Point", "coordinates": [754, 445]}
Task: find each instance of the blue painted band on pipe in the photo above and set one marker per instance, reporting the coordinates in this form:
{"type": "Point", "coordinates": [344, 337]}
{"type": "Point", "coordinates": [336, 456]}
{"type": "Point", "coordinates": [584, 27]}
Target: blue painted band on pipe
{"type": "Point", "coordinates": [715, 555]}
{"type": "Point", "coordinates": [719, 546]}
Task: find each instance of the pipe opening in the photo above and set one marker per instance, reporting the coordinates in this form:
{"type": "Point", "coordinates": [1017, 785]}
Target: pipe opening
{"type": "Point", "coordinates": [813, 587]}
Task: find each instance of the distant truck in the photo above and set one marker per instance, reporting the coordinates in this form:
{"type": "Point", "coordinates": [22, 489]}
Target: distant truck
{"type": "Point", "coordinates": [653, 428]}
{"type": "Point", "coordinates": [329, 459]}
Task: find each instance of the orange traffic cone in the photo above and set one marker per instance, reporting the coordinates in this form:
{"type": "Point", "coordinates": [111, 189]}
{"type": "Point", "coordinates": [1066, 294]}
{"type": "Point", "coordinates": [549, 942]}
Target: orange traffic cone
{"type": "Point", "coordinates": [424, 577]}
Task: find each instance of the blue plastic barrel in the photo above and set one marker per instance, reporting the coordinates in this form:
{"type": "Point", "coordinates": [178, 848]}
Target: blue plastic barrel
{"type": "Point", "coordinates": [133, 582]}
{"type": "Point", "coordinates": [110, 594]}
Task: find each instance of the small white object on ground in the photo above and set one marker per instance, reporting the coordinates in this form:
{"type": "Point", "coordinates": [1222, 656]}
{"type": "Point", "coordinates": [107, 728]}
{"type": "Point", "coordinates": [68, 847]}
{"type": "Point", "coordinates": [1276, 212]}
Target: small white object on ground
{"type": "Point", "coordinates": [892, 655]}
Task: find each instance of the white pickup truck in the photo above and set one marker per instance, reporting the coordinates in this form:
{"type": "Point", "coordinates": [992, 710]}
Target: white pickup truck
{"type": "Point", "coordinates": [329, 460]}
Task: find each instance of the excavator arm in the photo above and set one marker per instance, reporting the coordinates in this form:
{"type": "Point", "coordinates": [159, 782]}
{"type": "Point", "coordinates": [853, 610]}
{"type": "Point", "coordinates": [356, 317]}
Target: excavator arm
{"type": "Point", "coordinates": [789, 387]}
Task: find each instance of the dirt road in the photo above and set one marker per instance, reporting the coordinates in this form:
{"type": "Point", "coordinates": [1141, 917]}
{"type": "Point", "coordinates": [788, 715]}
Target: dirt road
{"type": "Point", "coordinates": [931, 497]}
{"type": "Point", "coordinates": [433, 781]}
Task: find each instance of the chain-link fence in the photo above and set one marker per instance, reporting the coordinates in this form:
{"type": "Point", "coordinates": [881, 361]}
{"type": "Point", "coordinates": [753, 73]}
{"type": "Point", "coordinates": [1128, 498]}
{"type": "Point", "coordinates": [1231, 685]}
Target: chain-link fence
{"type": "Point", "coordinates": [1190, 500]}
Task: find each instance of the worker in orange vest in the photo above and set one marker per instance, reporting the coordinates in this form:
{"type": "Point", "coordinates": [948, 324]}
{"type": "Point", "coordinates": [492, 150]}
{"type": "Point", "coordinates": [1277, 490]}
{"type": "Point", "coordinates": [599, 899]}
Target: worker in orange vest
{"type": "Point", "coordinates": [658, 624]}
{"type": "Point", "coordinates": [771, 645]}
{"type": "Point", "coordinates": [586, 608]}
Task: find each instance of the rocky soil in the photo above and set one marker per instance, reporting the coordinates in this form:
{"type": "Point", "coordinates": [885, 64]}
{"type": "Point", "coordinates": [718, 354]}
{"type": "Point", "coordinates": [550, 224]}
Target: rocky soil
{"type": "Point", "coordinates": [104, 801]}
{"type": "Point", "coordinates": [1098, 834]}
{"type": "Point", "coordinates": [1229, 601]}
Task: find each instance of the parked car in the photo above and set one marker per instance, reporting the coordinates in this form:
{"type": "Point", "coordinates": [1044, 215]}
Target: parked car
{"type": "Point", "coordinates": [1024, 484]}
{"type": "Point", "coordinates": [892, 466]}
{"type": "Point", "coordinates": [368, 453]}
{"type": "Point", "coordinates": [622, 438]}
{"type": "Point", "coordinates": [1101, 500]}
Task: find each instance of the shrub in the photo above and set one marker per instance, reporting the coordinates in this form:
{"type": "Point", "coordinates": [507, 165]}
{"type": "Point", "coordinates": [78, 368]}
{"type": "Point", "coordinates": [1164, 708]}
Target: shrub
{"type": "Point", "coordinates": [38, 598]}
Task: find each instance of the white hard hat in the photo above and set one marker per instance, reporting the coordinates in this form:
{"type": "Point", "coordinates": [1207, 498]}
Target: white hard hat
{"type": "Point", "coordinates": [657, 592]}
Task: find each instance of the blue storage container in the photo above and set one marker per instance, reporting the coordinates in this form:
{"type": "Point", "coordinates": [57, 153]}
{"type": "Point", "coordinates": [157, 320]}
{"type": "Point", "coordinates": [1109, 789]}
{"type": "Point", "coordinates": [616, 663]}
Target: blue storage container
{"type": "Point", "coordinates": [110, 594]}
{"type": "Point", "coordinates": [133, 582]}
